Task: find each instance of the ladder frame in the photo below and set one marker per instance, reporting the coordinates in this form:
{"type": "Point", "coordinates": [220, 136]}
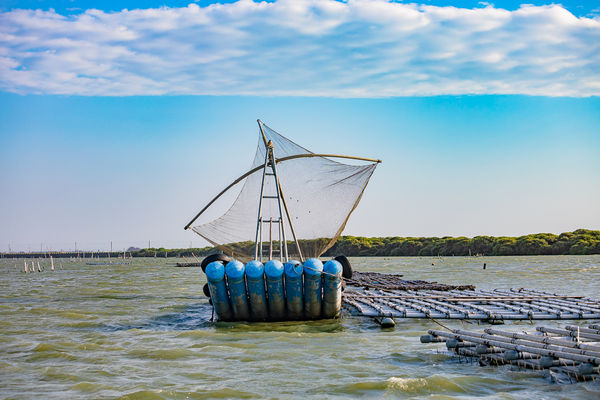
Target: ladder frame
{"type": "Point", "coordinates": [270, 162]}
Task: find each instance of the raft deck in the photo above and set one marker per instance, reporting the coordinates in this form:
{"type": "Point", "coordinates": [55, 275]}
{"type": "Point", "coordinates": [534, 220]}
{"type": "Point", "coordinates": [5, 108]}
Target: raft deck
{"type": "Point", "coordinates": [431, 300]}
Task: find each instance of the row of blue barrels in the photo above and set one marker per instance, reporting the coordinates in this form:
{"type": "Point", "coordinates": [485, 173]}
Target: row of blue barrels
{"type": "Point", "coordinates": [274, 291]}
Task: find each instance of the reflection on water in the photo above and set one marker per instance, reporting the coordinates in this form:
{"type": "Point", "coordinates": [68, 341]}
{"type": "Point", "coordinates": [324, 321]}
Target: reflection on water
{"type": "Point", "coordinates": [143, 331]}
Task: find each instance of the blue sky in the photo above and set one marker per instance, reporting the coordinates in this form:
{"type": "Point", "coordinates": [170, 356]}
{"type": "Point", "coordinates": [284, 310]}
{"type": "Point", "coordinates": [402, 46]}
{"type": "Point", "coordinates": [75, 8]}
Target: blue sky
{"type": "Point", "coordinates": [578, 8]}
{"type": "Point", "coordinates": [121, 125]}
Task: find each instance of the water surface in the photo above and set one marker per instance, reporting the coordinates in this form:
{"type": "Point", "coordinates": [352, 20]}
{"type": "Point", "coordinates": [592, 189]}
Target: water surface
{"type": "Point", "coordinates": [143, 331]}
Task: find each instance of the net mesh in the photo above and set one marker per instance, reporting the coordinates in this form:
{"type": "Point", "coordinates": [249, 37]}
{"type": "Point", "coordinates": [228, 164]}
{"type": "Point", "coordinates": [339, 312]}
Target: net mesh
{"type": "Point", "coordinates": [320, 194]}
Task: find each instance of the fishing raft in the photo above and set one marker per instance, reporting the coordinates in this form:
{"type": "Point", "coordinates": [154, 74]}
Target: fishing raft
{"type": "Point", "coordinates": [269, 268]}
{"type": "Point", "coordinates": [292, 207]}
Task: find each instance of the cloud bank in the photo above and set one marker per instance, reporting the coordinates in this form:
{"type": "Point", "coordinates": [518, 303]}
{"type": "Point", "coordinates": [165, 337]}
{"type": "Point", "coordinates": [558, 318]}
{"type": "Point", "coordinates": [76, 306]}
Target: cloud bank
{"type": "Point", "coordinates": [357, 48]}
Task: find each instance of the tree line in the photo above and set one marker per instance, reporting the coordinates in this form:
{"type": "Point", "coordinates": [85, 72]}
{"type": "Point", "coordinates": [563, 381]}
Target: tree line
{"type": "Point", "coordinates": [581, 241]}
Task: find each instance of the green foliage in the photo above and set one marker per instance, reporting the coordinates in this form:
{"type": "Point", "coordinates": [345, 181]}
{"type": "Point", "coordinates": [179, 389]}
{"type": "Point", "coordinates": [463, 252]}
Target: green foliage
{"type": "Point", "coordinates": [581, 241]}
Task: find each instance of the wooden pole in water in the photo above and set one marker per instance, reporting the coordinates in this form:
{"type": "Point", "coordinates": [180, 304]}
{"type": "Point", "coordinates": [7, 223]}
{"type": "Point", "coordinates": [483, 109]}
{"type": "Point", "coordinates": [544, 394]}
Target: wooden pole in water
{"type": "Point", "coordinates": [25, 262]}
{"type": "Point", "coordinates": [39, 268]}
{"type": "Point", "coordinates": [51, 263]}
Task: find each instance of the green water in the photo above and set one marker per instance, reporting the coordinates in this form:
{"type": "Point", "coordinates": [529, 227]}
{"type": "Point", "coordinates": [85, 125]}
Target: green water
{"type": "Point", "coordinates": [142, 331]}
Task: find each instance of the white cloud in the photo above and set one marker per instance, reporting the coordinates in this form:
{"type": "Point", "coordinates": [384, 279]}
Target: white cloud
{"type": "Point", "coordinates": [358, 48]}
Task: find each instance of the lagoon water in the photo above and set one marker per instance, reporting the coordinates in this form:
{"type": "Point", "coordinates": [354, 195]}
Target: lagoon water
{"type": "Point", "coordinates": [142, 331]}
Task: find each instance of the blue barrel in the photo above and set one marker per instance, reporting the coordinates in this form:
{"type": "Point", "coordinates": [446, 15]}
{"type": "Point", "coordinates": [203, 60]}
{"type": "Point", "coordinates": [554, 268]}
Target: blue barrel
{"type": "Point", "coordinates": [255, 279]}
{"type": "Point", "coordinates": [312, 288]}
{"type": "Point", "coordinates": [274, 273]}
{"type": "Point", "coordinates": [293, 290]}
{"type": "Point", "coordinates": [237, 290]}
{"type": "Point", "coordinates": [215, 274]}
{"type": "Point", "coordinates": [332, 289]}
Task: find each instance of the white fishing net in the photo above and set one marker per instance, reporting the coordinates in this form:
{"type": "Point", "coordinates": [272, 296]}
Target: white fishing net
{"type": "Point", "coordinates": [320, 194]}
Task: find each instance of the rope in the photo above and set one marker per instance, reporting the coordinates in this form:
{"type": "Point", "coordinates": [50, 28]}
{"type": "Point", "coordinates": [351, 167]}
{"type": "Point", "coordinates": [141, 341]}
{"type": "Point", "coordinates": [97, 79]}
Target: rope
{"type": "Point", "coordinates": [440, 324]}
{"type": "Point", "coordinates": [323, 272]}
{"type": "Point", "coordinates": [197, 259]}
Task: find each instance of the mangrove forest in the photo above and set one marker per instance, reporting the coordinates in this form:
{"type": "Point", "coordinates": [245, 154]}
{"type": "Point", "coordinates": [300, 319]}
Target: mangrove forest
{"type": "Point", "coordinates": [581, 241]}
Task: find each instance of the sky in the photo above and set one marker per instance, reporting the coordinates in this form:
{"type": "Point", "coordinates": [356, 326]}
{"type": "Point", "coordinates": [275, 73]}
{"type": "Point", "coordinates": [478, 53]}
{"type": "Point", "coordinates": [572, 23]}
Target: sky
{"type": "Point", "coordinates": [120, 120]}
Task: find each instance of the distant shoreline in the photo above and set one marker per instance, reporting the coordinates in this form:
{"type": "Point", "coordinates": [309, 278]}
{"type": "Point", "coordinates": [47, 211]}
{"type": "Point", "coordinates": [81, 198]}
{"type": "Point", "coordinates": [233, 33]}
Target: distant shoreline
{"type": "Point", "coordinates": [578, 242]}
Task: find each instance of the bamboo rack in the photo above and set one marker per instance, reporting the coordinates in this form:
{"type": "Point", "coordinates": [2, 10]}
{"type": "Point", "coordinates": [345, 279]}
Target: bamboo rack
{"type": "Point", "coordinates": [556, 350]}
{"type": "Point", "coordinates": [485, 305]}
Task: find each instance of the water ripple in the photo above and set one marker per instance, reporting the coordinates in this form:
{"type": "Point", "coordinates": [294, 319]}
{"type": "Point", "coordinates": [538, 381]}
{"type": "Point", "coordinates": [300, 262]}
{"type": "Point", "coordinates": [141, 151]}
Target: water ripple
{"type": "Point", "coordinates": [143, 331]}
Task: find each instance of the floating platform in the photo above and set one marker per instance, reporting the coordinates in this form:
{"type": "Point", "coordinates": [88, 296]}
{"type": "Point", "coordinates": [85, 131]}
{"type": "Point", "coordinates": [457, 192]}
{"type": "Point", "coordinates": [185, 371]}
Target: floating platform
{"type": "Point", "coordinates": [294, 291]}
{"type": "Point", "coordinates": [570, 353]}
{"type": "Point", "coordinates": [274, 291]}
{"type": "Point", "coordinates": [468, 304]}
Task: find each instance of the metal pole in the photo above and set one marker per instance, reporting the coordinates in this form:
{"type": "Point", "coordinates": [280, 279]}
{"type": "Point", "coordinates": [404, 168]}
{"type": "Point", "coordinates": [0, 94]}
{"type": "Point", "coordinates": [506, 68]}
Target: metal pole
{"type": "Point", "coordinates": [260, 238]}
{"type": "Point", "coordinates": [281, 199]}
{"type": "Point", "coordinates": [280, 239]}
{"type": "Point", "coordinates": [260, 199]}
{"type": "Point", "coordinates": [303, 155]}
{"type": "Point", "coordinates": [262, 132]}
{"type": "Point", "coordinates": [271, 238]}
{"type": "Point", "coordinates": [278, 195]}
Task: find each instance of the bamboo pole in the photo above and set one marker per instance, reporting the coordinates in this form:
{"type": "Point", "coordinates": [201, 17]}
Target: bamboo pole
{"type": "Point", "coordinates": [568, 333]}
{"type": "Point", "coordinates": [260, 199]}
{"type": "Point", "coordinates": [569, 307]}
{"type": "Point", "coordinates": [528, 293]}
{"type": "Point", "coordinates": [473, 316]}
{"type": "Point", "coordinates": [527, 342]}
{"type": "Point", "coordinates": [466, 311]}
{"type": "Point", "coordinates": [544, 339]}
{"type": "Point", "coordinates": [520, 347]}
{"type": "Point", "coordinates": [464, 298]}
{"type": "Point", "coordinates": [280, 201]}
{"type": "Point", "coordinates": [574, 365]}
{"type": "Point", "coordinates": [581, 329]}
{"type": "Point", "coordinates": [480, 305]}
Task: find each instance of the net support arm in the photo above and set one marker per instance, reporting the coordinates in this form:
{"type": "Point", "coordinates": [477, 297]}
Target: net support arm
{"type": "Point", "coordinates": [277, 160]}
{"type": "Point", "coordinates": [304, 155]}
